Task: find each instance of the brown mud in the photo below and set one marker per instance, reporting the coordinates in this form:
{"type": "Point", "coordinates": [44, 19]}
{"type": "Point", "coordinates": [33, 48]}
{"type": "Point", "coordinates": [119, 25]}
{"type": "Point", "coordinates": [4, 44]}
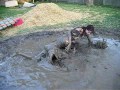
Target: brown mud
{"type": "Point", "coordinates": [88, 69]}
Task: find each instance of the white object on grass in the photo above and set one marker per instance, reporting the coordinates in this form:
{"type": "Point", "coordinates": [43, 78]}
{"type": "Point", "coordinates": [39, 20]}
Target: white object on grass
{"type": "Point", "coordinates": [11, 3]}
{"type": "Point", "coordinates": [26, 4]}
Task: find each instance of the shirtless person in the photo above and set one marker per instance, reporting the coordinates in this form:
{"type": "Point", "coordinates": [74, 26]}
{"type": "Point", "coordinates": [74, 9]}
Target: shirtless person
{"type": "Point", "coordinates": [65, 42]}
{"type": "Point", "coordinates": [78, 33]}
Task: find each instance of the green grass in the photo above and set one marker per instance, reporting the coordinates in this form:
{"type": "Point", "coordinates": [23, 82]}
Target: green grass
{"type": "Point", "coordinates": [100, 16]}
{"type": "Point", "coordinates": [12, 12]}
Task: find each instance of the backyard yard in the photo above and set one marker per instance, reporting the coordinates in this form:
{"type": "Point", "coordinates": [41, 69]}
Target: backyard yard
{"type": "Point", "coordinates": [89, 68]}
{"type": "Point", "coordinates": [102, 17]}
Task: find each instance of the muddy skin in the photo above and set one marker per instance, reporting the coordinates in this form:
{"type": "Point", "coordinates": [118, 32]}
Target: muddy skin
{"type": "Point", "coordinates": [89, 68]}
{"type": "Point", "coordinates": [66, 42]}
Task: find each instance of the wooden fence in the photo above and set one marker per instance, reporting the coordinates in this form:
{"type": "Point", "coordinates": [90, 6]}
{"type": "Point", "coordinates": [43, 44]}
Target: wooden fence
{"type": "Point", "coordinates": [96, 2]}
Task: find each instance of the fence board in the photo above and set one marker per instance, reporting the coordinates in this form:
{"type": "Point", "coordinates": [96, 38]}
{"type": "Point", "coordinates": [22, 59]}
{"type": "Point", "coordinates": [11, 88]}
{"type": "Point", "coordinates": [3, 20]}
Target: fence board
{"type": "Point", "coordinates": [107, 2]}
{"type": "Point", "coordinates": [76, 1]}
{"type": "Point", "coordinates": [116, 3]}
{"type": "Point", "coordinates": [98, 2]}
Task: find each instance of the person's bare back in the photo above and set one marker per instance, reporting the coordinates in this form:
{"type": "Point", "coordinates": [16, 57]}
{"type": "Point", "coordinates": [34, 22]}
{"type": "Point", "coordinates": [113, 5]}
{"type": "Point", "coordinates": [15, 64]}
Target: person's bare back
{"type": "Point", "coordinates": [63, 44]}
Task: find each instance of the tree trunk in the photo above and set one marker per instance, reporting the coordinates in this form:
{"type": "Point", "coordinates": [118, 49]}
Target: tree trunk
{"type": "Point", "coordinates": [89, 2]}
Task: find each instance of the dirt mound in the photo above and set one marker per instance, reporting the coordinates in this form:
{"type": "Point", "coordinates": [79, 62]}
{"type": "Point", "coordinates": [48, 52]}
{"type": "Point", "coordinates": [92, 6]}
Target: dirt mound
{"type": "Point", "coordinates": [49, 14]}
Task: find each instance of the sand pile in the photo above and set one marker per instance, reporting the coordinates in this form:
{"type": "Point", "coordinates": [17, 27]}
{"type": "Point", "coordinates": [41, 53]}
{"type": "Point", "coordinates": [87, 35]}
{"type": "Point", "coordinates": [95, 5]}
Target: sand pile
{"type": "Point", "coordinates": [48, 14]}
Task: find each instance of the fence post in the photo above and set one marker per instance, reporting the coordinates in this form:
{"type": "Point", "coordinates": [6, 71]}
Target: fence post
{"type": "Point", "coordinates": [89, 2]}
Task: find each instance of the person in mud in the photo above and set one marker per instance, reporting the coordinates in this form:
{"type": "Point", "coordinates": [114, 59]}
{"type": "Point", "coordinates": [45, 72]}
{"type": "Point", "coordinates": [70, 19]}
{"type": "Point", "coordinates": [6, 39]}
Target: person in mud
{"type": "Point", "coordinates": [66, 42]}
{"type": "Point", "coordinates": [74, 35]}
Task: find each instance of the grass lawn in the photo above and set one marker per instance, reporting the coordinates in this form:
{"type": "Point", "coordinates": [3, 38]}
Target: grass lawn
{"type": "Point", "coordinates": [12, 12]}
{"type": "Point", "coordinates": [101, 16]}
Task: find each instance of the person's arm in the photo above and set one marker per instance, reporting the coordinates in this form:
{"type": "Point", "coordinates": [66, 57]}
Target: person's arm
{"type": "Point", "coordinates": [40, 55]}
{"type": "Point", "coordinates": [69, 41]}
{"type": "Point", "coordinates": [90, 43]}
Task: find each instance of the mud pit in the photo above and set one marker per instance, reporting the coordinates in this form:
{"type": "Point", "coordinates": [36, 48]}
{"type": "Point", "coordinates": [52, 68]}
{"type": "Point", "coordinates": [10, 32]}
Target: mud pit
{"type": "Point", "coordinates": [88, 69]}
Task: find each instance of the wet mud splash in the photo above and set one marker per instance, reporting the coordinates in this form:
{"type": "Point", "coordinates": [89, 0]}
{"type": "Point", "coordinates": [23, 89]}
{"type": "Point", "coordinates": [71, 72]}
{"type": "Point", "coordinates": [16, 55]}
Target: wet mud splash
{"type": "Point", "coordinates": [89, 68]}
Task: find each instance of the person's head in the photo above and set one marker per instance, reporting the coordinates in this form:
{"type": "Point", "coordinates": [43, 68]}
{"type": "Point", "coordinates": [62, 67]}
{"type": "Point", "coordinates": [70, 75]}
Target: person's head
{"type": "Point", "coordinates": [90, 30]}
{"type": "Point", "coordinates": [85, 30]}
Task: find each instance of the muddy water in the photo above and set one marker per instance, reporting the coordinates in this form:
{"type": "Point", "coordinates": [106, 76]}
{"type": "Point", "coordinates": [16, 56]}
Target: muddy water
{"type": "Point", "coordinates": [88, 69]}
